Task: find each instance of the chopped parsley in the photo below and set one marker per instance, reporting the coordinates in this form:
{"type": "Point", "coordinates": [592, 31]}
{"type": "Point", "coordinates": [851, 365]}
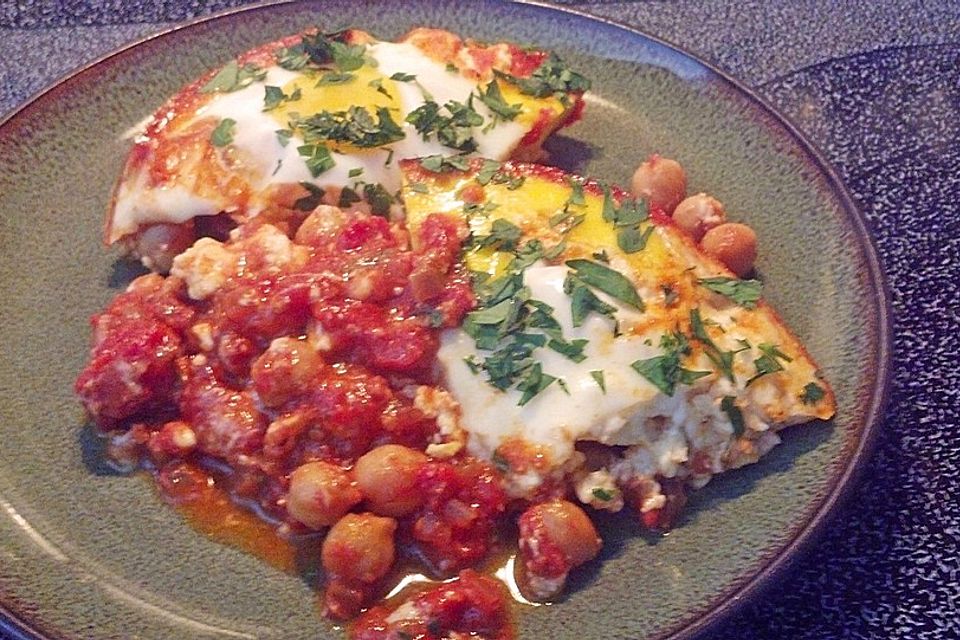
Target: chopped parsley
{"type": "Point", "coordinates": [334, 77]}
{"type": "Point", "coordinates": [552, 77]}
{"type": "Point", "coordinates": [356, 171]}
{"type": "Point", "coordinates": [419, 187]}
{"type": "Point", "coordinates": [317, 158]}
{"type": "Point", "coordinates": [745, 293]}
{"type": "Point", "coordinates": [565, 220]}
{"type": "Point", "coordinates": [510, 325]}
{"type": "Point", "coordinates": [576, 198]}
{"type": "Point", "coordinates": [768, 362]}
{"type": "Point", "coordinates": [222, 135]}
{"type": "Point", "coordinates": [452, 129]}
{"type": "Point", "coordinates": [283, 136]}
{"type": "Point", "coordinates": [274, 97]}
{"type": "Point", "coordinates": [611, 282]}
{"type": "Point", "coordinates": [378, 198]}
{"type": "Point", "coordinates": [597, 375]}
{"type": "Point", "coordinates": [627, 218]}
{"type": "Point", "coordinates": [320, 50]}
{"type": "Point", "coordinates": [400, 76]}
{"type": "Point", "coordinates": [503, 236]}
{"type": "Point", "coordinates": [375, 195]}
{"type": "Point", "coordinates": [722, 360]}
{"type": "Point", "coordinates": [493, 99]}
{"type": "Point", "coordinates": [439, 164]}
{"type": "Point", "coordinates": [812, 393]}
{"type": "Point", "coordinates": [233, 77]}
{"type": "Point", "coordinates": [665, 371]}
{"type": "Point", "coordinates": [348, 197]}
{"type": "Point", "coordinates": [571, 350]}
{"type": "Point", "coordinates": [603, 494]}
{"type": "Point", "coordinates": [488, 169]}
{"type": "Point", "coordinates": [631, 240]}
{"type": "Point", "coordinates": [311, 201]}
{"type": "Point", "coordinates": [533, 382]}
{"type": "Point", "coordinates": [492, 171]}
{"type": "Point", "coordinates": [354, 126]}
{"type": "Point", "coordinates": [729, 407]}
{"type": "Point", "coordinates": [583, 301]}
{"type": "Point", "coordinates": [377, 83]}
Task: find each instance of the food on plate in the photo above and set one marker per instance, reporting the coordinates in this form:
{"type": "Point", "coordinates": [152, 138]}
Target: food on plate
{"type": "Point", "coordinates": [326, 118]}
{"type": "Point", "coordinates": [519, 345]}
{"type": "Point", "coordinates": [598, 320]}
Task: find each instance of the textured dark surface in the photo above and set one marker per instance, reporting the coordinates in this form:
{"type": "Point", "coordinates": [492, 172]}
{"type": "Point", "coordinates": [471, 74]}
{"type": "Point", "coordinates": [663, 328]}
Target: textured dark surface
{"type": "Point", "coordinates": [877, 88]}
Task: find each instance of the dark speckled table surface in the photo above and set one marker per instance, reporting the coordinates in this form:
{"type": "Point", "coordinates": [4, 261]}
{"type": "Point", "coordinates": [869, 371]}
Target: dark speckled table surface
{"type": "Point", "coordinates": [876, 85]}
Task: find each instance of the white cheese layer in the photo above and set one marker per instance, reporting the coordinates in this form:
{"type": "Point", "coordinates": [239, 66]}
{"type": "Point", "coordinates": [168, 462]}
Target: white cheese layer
{"type": "Point", "coordinates": [556, 419]}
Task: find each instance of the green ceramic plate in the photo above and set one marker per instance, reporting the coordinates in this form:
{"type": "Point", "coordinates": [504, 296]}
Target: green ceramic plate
{"type": "Point", "coordinates": [85, 553]}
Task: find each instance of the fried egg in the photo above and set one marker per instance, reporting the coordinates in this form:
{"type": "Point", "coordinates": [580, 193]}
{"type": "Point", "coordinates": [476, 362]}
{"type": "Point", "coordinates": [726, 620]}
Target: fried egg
{"type": "Point", "coordinates": [314, 113]}
{"type": "Point", "coordinates": [676, 360]}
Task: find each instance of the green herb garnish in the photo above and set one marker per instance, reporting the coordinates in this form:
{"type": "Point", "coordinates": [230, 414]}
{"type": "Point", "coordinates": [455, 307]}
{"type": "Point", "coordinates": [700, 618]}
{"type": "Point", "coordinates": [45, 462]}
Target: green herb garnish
{"type": "Point", "coordinates": [320, 50]}
{"type": "Point", "coordinates": [745, 293]}
{"type": "Point", "coordinates": [233, 77]}
{"type": "Point", "coordinates": [572, 350]}
{"type": "Point", "coordinates": [452, 129]}
{"type": "Point", "coordinates": [378, 198]}
{"type": "Point", "coordinates": [493, 99]}
{"type": "Point", "coordinates": [488, 169]}
{"type": "Point", "coordinates": [503, 236]}
{"type": "Point", "coordinates": [317, 158]}
{"type": "Point", "coordinates": [729, 407]}
{"type": "Point", "coordinates": [553, 77]}
{"type": "Point", "coordinates": [333, 78]}
{"type": "Point", "coordinates": [377, 83]}
{"type": "Point", "coordinates": [222, 135]}
{"type": "Point", "coordinates": [722, 360]}
{"type": "Point", "coordinates": [812, 393]}
{"type": "Point", "coordinates": [631, 240]}
{"type": "Point", "coordinates": [597, 375]}
{"type": "Point", "coordinates": [533, 382]}
{"type": "Point", "coordinates": [354, 126]}
{"type": "Point", "coordinates": [439, 164]}
{"type": "Point", "coordinates": [311, 201]}
{"type": "Point", "coordinates": [611, 282]}
{"type": "Point", "coordinates": [283, 136]}
{"type": "Point", "coordinates": [603, 494]}
{"type": "Point", "coordinates": [768, 362]}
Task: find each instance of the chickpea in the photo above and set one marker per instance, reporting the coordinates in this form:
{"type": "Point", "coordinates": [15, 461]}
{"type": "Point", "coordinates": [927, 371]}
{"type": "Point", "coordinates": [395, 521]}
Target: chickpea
{"type": "Point", "coordinates": [359, 548]}
{"type": "Point", "coordinates": [320, 493]}
{"type": "Point", "coordinates": [698, 214]}
{"type": "Point", "coordinates": [733, 244]}
{"type": "Point", "coordinates": [158, 244]}
{"type": "Point", "coordinates": [386, 477]}
{"type": "Point", "coordinates": [661, 181]}
{"type": "Point", "coordinates": [285, 369]}
{"type": "Point", "coordinates": [567, 526]}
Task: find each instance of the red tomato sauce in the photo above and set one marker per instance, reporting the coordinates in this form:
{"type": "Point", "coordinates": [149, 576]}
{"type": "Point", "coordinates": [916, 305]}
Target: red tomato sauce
{"type": "Point", "coordinates": [312, 361]}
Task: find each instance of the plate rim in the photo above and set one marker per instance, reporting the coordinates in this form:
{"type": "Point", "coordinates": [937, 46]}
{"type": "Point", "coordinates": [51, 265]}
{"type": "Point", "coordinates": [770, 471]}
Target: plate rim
{"type": "Point", "coordinates": [819, 515]}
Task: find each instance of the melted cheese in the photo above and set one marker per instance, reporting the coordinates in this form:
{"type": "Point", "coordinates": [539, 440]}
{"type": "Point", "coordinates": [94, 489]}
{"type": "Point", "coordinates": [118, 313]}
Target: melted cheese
{"type": "Point", "coordinates": [662, 433]}
{"type": "Point", "coordinates": [555, 419]}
